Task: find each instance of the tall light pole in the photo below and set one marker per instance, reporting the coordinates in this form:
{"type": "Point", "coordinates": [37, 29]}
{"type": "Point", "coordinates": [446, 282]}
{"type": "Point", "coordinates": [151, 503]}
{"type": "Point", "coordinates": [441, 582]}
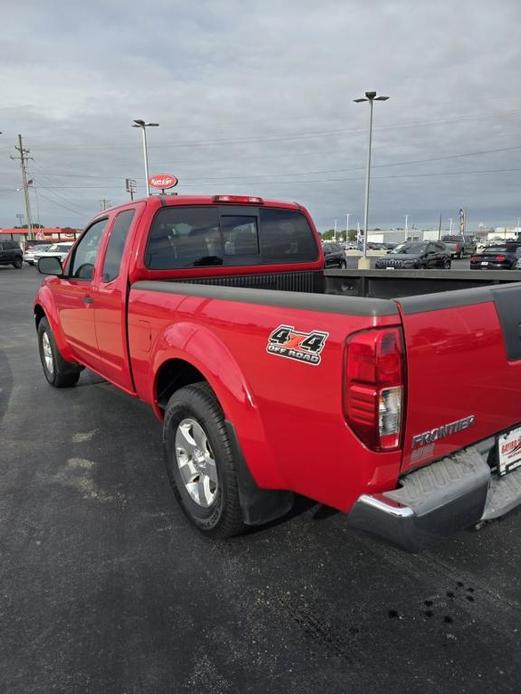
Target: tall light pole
{"type": "Point", "coordinates": [335, 229]}
{"type": "Point", "coordinates": [450, 225]}
{"type": "Point", "coordinates": [348, 214]}
{"type": "Point", "coordinates": [371, 97]}
{"type": "Point", "coordinates": [406, 226]}
{"type": "Point", "coordinates": [141, 124]}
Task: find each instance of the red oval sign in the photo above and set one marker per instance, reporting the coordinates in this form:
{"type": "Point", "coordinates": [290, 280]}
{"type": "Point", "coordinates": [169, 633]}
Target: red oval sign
{"type": "Point", "coordinates": [162, 181]}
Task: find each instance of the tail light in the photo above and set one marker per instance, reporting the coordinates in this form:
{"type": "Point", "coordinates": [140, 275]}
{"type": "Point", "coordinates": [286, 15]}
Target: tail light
{"type": "Point", "coordinates": [474, 259]}
{"type": "Point", "coordinates": [501, 258]}
{"type": "Point", "coordinates": [374, 385]}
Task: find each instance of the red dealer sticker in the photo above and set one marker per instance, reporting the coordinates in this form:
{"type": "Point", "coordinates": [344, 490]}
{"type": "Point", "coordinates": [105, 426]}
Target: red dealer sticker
{"type": "Point", "coordinates": [287, 342]}
{"type": "Point", "coordinates": [163, 181]}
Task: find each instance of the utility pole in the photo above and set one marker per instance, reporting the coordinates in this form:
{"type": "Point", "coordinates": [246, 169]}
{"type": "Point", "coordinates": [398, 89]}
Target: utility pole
{"type": "Point", "coordinates": [335, 229]}
{"type": "Point", "coordinates": [104, 204]}
{"type": "Point", "coordinates": [23, 157]}
{"type": "Point", "coordinates": [348, 214]}
{"type": "Point", "coordinates": [406, 226]}
{"type": "Point", "coordinates": [130, 184]}
{"type": "Point", "coordinates": [450, 225]}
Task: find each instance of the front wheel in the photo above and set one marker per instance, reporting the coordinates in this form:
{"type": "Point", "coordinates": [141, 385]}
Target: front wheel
{"type": "Point", "coordinates": [446, 264]}
{"type": "Point", "coordinates": [343, 264]}
{"type": "Point", "coordinates": [58, 372]}
{"type": "Point", "coordinates": [18, 263]}
{"type": "Point", "coordinates": [200, 462]}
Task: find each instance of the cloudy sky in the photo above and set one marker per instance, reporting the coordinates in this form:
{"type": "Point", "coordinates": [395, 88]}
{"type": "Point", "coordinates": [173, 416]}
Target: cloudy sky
{"type": "Point", "coordinates": [256, 97]}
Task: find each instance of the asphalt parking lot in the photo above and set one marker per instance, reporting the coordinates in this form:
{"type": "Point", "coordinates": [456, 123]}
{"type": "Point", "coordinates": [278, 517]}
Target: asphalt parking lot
{"type": "Point", "coordinates": [105, 587]}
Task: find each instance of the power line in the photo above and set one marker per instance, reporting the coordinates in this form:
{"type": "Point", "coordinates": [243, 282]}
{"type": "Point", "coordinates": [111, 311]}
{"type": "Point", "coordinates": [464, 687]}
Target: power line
{"type": "Point", "coordinates": [65, 207]}
{"type": "Point", "coordinates": [320, 180]}
{"type": "Point", "coordinates": [305, 173]}
{"type": "Point", "coordinates": [295, 136]}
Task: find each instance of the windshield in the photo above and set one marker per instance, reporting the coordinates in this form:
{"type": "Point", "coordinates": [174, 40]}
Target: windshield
{"type": "Point", "coordinates": [409, 249]}
{"type": "Point", "coordinates": [452, 239]}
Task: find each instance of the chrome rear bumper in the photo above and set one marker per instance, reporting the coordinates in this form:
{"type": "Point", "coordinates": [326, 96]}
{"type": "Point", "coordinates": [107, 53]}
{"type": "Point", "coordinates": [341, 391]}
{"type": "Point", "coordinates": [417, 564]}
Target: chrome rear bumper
{"type": "Point", "coordinates": [438, 500]}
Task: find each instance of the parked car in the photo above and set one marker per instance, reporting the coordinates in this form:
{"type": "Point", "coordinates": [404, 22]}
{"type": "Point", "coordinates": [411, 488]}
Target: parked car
{"type": "Point", "coordinates": [57, 250]}
{"type": "Point", "coordinates": [459, 245]}
{"type": "Point", "coordinates": [416, 254]}
{"type": "Point", "coordinates": [11, 254]}
{"type": "Point", "coordinates": [216, 312]}
{"type": "Point", "coordinates": [31, 250]}
{"type": "Point", "coordinates": [501, 256]}
{"type": "Point", "coordinates": [334, 255]}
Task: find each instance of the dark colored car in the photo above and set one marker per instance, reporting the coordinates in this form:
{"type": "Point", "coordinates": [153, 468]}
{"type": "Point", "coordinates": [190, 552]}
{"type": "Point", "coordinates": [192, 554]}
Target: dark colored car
{"type": "Point", "coordinates": [500, 256]}
{"type": "Point", "coordinates": [334, 255]}
{"type": "Point", "coordinates": [416, 254]}
{"type": "Point", "coordinates": [11, 254]}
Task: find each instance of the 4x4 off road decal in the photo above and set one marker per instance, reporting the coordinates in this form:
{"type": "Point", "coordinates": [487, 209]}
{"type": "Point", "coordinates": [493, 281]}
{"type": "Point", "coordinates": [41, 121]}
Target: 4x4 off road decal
{"type": "Point", "coordinates": [285, 341]}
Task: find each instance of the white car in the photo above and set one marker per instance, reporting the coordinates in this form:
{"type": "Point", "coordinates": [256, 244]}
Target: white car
{"type": "Point", "coordinates": [57, 250]}
{"type": "Point", "coordinates": [29, 253]}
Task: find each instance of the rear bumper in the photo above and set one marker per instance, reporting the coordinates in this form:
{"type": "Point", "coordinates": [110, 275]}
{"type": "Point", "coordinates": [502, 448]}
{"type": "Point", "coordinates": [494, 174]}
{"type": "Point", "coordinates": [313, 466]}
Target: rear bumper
{"type": "Point", "coordinates": [438, 500]}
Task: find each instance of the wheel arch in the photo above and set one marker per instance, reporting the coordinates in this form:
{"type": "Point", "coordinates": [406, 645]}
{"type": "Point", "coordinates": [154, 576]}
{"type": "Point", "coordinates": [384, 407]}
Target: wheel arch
{"type": "Point", "coordinates": [202, 355]}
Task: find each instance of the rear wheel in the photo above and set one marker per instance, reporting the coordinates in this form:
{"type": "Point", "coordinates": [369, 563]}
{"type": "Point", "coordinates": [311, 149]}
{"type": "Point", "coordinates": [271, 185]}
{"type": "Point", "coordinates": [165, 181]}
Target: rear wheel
{"type": "Point", "coordinates": [446, 264]}
{"type": "Point", "coordinates": [18, 263]}
{"type": "Point", "coordinates": [58, 372]}
{"type": "Point", "coordinates": [343, 264]}
{"type": "Point", "coordinates": [200, 463]}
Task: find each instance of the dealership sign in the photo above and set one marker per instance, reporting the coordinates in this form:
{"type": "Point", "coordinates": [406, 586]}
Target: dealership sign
{"type": "Point", "coordinates": [162, 181]}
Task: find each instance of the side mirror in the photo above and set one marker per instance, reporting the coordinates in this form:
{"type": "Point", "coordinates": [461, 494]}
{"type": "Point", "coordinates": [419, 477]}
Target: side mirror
{"type": "Point", "coordinates": [50, 266]}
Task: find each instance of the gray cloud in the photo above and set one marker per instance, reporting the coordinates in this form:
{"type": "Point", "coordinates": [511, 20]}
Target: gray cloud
{"type": "Point", "coordinates": [257, 98]}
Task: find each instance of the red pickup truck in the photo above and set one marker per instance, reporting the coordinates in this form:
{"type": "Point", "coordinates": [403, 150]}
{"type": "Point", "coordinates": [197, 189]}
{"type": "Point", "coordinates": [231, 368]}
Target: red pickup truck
{"type": "Point", "coordinates": [405, 413]}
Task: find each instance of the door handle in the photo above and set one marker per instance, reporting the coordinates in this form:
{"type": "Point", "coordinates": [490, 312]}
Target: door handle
{"type": "Point", "coordinates": [88, 300]}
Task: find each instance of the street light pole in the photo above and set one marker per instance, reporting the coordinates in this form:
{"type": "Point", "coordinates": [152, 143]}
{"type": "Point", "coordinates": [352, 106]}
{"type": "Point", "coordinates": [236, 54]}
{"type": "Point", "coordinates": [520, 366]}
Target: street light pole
{"type": "Point", "coordinates": [348, 214]}
{"type": "Point", "coordinates": [139, 123]}
{"type": "Point", "coordinates": [406, 227]}
{"type": "Point", "coordinates": [363, 262]}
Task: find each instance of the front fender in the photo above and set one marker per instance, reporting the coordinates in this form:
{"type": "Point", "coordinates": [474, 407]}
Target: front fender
{"type": "Point", "coordinates": [204, 350]}
{"type": "Point", "coordinates": [45, 299]}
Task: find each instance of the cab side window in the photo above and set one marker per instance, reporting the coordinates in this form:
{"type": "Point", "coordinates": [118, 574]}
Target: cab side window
{"type": "Point", "coordinates": [84, 260]}
{"type": "Point", "coordinates": [116, 246]}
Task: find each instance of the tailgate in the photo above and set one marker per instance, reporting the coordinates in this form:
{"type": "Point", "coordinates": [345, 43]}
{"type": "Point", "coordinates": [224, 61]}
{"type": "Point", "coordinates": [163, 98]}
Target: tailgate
{"type": "Point", "coordinates": [463, 369]}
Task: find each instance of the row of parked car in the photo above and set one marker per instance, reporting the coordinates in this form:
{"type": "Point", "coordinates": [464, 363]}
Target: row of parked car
{"type": "Point", "coordinates": [436, 254]}
{"type": "Point", "coordinates": [12, 254]}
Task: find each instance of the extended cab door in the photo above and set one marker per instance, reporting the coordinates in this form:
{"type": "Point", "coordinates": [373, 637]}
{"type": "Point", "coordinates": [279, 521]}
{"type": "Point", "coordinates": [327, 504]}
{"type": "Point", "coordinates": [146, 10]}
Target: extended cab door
{"type": "Point", "coordinates": [73, 296]}
{"type": "Point", "coordinates": [109, 294]}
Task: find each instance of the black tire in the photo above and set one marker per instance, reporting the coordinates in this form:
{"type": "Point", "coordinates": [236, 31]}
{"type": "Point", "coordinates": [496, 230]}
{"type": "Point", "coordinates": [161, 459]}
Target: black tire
{"type": "Point", "coordinates": [343, 264]}
{"type": "Point", "coordinates": [223, 517]}
{"type": "Point", "coordinates": [447, 264]}
{"type": "Point", "coordinates": [63, 374]}
{"type": "Point", "coordinates": [18, 263]}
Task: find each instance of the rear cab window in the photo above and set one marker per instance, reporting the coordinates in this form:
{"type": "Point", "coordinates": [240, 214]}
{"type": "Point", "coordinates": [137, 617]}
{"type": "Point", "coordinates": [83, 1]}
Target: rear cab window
{"type": "Point", "coordinates": [196, 236]}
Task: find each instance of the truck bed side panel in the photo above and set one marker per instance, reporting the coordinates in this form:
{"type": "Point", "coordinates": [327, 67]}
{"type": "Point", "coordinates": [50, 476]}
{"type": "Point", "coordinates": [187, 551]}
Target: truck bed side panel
{"type": "Point", "coordinates": [289, 416]}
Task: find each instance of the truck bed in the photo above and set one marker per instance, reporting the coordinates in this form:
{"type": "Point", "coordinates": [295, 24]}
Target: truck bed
{"type": "Point", "coordinates": [462, 351]}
